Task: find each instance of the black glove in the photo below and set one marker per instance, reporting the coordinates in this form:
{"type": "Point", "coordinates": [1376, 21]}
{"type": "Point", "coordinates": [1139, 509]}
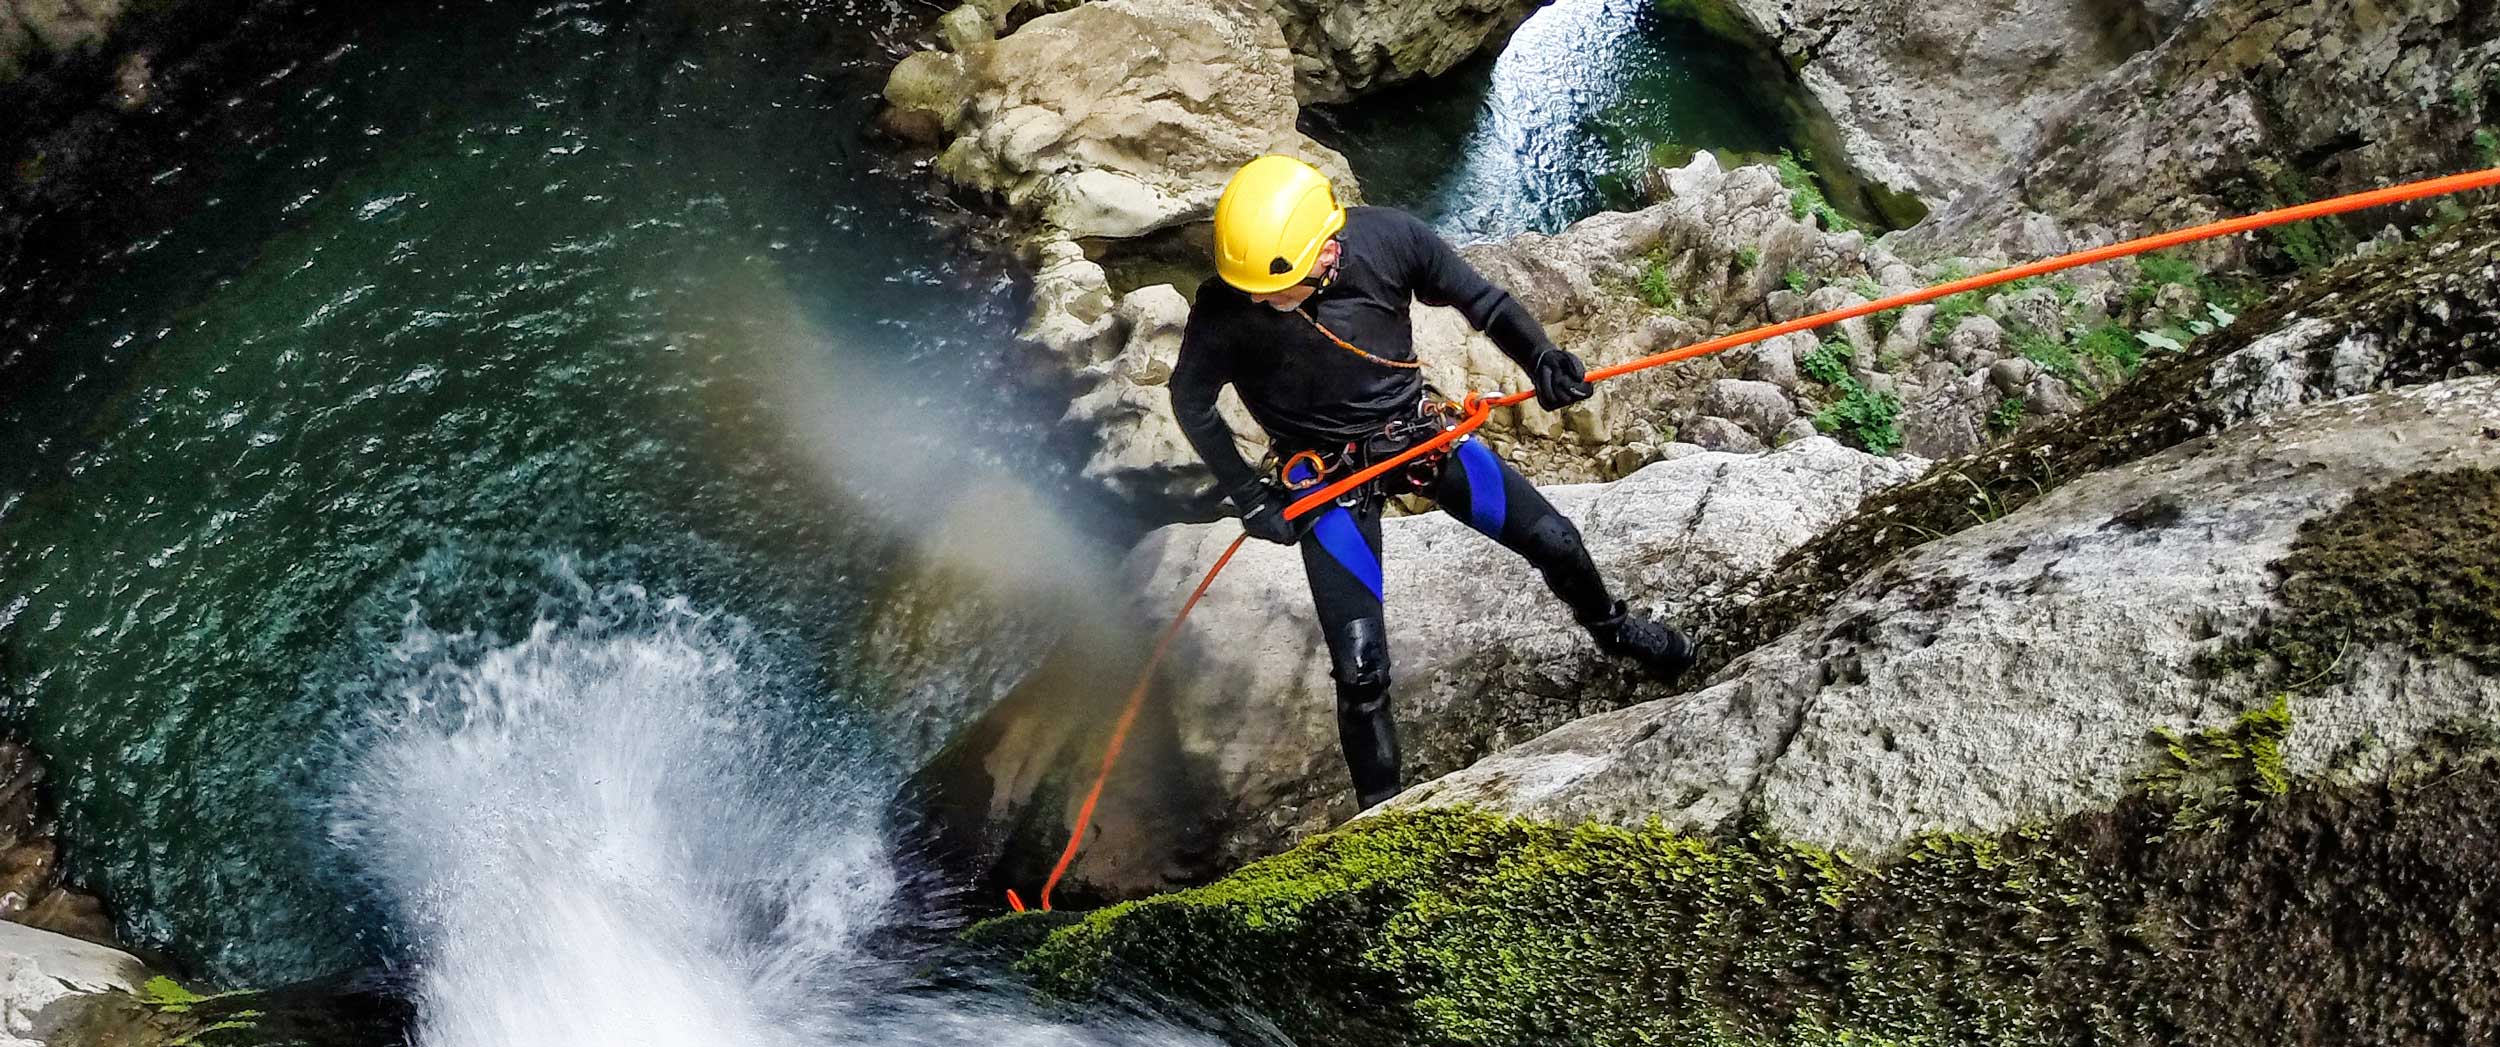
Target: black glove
{"type": "Point", "coordinates": [1560, 380]}
{"type": "Point", "coordinates": [1262, 506]}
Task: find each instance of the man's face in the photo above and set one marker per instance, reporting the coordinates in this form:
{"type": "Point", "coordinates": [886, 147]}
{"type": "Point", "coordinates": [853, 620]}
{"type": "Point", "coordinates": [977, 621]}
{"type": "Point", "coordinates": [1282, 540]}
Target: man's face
{"type": "Point", "coordinates": [1291, 298]}
{"type": "Point", "coordinates": [1287, 300]}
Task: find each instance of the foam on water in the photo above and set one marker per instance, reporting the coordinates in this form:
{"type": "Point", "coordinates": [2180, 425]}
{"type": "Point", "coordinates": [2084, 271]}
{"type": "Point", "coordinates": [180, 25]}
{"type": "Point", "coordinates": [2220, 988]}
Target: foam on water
{"type": "Point", "coordinates": [618, 833]}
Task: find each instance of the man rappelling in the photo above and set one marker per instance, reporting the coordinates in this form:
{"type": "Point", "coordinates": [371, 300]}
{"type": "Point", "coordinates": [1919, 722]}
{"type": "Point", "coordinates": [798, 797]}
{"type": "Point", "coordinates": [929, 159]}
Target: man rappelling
{"type": "Point", "coordinates": [1307, 320]}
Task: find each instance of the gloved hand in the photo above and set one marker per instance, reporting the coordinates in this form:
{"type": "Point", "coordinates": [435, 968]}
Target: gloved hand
{"type": "Point", "coordinates": [1262, 505]}
{"type": "Point", "coordinates": [1560, 380]}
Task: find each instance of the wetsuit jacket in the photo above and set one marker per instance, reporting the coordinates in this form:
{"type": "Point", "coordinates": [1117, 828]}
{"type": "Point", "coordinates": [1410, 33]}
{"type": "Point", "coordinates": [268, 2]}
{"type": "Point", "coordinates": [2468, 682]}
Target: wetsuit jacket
{"type": "Point", "coordinates": [1308, 391]}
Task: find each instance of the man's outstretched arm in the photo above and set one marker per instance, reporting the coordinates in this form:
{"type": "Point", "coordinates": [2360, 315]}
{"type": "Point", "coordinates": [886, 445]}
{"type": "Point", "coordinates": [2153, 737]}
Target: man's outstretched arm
{"type": "Point", "coordinates": [1440, 276]}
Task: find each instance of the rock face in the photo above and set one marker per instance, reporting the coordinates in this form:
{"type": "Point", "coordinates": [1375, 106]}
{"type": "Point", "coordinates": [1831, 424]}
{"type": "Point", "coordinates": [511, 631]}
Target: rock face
{"type": "Point", "coordinates": [2249, 104]}
{"type": "Point", "coordinates": [1239, 756]}
{"type": "Point", "coordinates": [2010, 673]}
{"type": "Point", "coordinates": [31, 891]}
{"type": "Point", "coordinates": [1344, 49]}
{"type": "Point", "coordinates": [1933, 98]}
{"type": "Point", "coordinates": [47, 982]}
{"type": "Point", "coordinates": [1113, 118]}
{"type": "Point", "coordinates": [33, 32]}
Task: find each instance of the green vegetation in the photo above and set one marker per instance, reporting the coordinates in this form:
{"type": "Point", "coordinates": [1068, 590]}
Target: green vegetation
{"type": "Point", "coordinates": [1863, 416]}
{"type": "Point", "coordinates": [1829, 363]}
{"type": "Point", "coordinates": [1748, 259]}
{"type": "Point", "coordinates": [2206, 905]}
{"type": "Point", "coordinates": [1951, 310]}
{"type": "Point", "coordinates": [1796, 280]}
{"type": "Point", "coordinates": [2008, 416]}
{"type": "Point", "coordinates": [2053, 357]}
{"type": "Point", "coordinates": [1869, 419]}
{"type": "Point", "coordinates": [1656, 286]}
{"type": "Point", "coordinates": [2487, 146]}
{"type": "Point", "coordinates": [1805, 193]}
{"type": "Point", "coordinates": [2112, 349]}
{"type": "Point", "coordinates": [1867, 288]}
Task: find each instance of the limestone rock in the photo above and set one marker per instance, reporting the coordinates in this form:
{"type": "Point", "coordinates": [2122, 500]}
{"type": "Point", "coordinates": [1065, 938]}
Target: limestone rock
{"type": "Point", "coordinates": [1141, 452]}
{"type": "Point", "coordinates": [1118, 117]}
{"type": "Point", "coordinates": [1761, 407]}
{"type": "Point", "coordinates": [925, 96]}
{"type": "Point", "coordinates": [1344, 49]}
{"type": "Point", "coordinates": [1721, 434]}
{"type": "Point", "coordinates": [2010, 672]}
{"type": "Point", "coordinates": [46, 980]}
{"type": "Point", "coordinates": [2241, 104]}
{"type": "Point", "coordinates": [1239, 756]}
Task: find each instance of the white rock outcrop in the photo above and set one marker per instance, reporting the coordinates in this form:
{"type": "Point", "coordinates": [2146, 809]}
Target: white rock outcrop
{"type": "Point", "coordinates": [2010, 673]}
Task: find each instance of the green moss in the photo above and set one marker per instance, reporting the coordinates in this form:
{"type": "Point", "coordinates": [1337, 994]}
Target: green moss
{"type": "Point", "coordinates": [2487, 146]}
{"type": "Point", "coordinates": [2414, 563]}
{"type": "Point", "coordinates": [2361, 910]}
{"type": "Point", "coordinates": [2241, 763]}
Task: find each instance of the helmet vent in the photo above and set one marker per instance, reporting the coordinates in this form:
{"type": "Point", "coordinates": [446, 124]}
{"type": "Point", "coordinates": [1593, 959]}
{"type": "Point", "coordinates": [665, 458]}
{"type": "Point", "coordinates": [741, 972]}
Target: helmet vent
{"type": "Point", "coordinates": [1280, 266]}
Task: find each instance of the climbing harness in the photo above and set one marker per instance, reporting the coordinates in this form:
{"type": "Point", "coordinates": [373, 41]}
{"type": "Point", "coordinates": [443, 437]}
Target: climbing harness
{"type": "Point", "coordinates": [1475, 410]}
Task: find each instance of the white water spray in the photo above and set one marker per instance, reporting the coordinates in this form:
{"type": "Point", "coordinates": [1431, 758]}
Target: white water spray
{"type": "Point", "coordinates": [619, 835]}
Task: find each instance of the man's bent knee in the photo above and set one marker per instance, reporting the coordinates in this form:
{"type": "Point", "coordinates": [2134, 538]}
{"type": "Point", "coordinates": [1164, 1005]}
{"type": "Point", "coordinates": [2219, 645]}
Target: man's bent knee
{"type": "Point", "coordinates": [1362, 660]}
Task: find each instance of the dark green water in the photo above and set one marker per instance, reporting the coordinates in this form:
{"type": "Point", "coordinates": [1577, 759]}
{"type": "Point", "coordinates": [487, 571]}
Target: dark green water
{"type": "Point", "coordinates": [1561, 124]}
{"type": "Point", "coordinates": [481, 308]}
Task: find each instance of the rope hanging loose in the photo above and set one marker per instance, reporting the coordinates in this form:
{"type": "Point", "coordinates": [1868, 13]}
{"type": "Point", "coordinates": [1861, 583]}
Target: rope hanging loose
{"type": "Point", "coordinates": [1478, 410]}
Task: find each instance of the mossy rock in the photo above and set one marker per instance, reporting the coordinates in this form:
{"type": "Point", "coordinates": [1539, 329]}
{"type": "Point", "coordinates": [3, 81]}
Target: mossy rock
{"type": "Point", "coordinates": [2313, 913]}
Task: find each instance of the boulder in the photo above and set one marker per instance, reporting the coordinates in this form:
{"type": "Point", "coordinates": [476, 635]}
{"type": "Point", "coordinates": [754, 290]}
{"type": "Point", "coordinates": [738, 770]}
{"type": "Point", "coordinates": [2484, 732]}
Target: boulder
{"type": "Point", "coordinates": [1113, 118]}
{"type": "Point", "coordinates": [1761, 407]}
{"type": "Point", "coordinates": [2010, 673]}
{"type": "Point", "coordinates": [1238, 754]}
{"type": "Point", "coordinates": [49, 982]}
{"type": "Point", "coordinates": [1140, 451]}
{"type": "Point", "coordinates": [1344, 49]}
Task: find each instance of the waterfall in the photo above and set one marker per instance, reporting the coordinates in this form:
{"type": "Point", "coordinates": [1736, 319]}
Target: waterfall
{"type": "Point", "coordinates": [623, 831]}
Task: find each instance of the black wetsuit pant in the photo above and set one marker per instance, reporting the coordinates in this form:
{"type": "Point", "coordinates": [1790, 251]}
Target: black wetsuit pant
{"type": "Point", "coordinates": [1341, 556]}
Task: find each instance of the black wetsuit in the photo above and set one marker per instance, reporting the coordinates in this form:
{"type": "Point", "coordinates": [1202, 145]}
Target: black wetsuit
{"type": "Point", "coordinates": [1310, 393]}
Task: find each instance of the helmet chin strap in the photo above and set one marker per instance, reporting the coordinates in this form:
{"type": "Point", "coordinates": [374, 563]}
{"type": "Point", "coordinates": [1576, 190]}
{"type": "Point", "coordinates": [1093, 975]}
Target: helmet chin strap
{"type": "Point", "coordinates": [1321, 280]}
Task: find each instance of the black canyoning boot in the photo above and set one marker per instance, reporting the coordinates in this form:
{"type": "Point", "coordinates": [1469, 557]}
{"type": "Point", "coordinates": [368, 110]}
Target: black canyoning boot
{"type": "Point", "coordinates": [1660, 649]}
{"type": "Point", "coordinates": [1370, 737]}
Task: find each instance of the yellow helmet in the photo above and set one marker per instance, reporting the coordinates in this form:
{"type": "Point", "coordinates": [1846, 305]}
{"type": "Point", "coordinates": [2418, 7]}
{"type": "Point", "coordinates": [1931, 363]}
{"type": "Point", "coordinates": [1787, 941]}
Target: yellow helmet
{"type": "Point", "coordinates": [1271, 222]}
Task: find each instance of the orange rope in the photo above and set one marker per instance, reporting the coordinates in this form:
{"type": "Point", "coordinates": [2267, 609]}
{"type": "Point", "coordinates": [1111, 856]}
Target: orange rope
{"type": "Point", "coordinates": [1119, 731]}
{"type": "Point", "coordinates": [1479, 409]}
